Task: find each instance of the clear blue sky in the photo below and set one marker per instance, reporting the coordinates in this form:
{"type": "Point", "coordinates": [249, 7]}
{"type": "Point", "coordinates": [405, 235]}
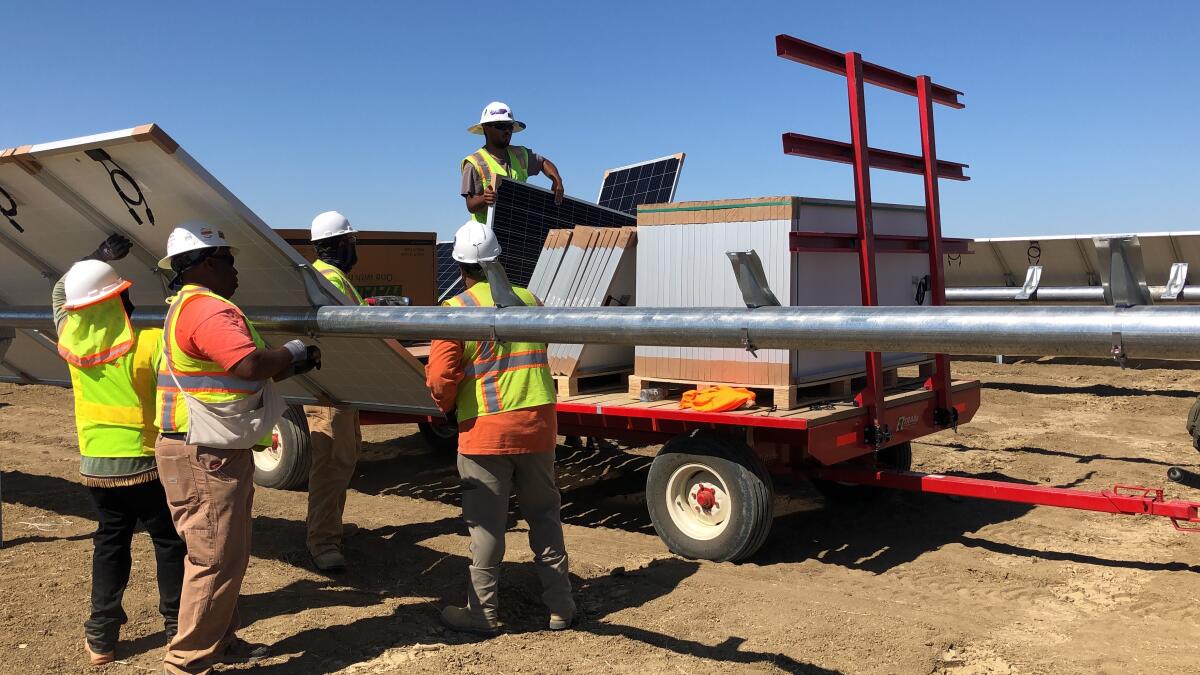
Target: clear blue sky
{"type": "Point", "coordinates": [1081, 116]}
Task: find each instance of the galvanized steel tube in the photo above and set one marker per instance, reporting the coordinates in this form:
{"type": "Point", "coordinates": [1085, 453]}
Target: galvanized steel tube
{"type": "Point", "coordinates": [1058, 294]}
{"type": "Point", "coordinates": [1140, 332]}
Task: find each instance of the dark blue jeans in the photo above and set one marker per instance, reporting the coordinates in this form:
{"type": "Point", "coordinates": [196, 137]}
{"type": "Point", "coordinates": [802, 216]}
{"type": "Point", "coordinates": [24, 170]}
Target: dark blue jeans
{"type": "Point", "coordinates": [120, 510]}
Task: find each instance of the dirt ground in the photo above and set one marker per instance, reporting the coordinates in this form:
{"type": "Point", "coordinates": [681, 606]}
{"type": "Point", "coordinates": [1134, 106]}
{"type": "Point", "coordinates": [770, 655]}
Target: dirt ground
{"type": "Point", "coordinates": [911, 584]}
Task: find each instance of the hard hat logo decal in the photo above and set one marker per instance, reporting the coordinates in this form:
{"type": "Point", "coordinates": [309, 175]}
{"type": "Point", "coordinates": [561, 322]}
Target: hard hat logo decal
{"type": "Point", "coordinates": [498, 111]}
{"type": "Point", "coordinates": [206, 233]}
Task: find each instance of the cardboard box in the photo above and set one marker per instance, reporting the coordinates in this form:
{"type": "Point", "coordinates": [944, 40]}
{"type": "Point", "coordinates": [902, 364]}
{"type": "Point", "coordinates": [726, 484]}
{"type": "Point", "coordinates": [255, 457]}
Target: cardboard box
{"type": "Point", "coordinates": [389, 263]}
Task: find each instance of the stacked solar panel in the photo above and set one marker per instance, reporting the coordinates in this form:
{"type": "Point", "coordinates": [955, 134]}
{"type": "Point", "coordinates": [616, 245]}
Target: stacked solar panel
{"type": "Point", "coordinates": [524, 214]}
{"type": "Point", "coordinates": [449, 283]}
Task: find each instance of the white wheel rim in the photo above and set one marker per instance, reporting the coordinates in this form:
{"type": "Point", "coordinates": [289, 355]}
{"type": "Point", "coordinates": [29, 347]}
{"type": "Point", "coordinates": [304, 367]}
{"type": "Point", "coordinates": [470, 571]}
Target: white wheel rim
{"type": "Point", "coordinates": [268, 459]}
{"type": "Point", "coordinates": [698, 501]}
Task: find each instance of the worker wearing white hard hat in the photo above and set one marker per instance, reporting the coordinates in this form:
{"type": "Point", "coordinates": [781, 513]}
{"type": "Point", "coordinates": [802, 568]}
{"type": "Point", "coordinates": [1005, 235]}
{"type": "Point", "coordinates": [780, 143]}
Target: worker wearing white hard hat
{"type": "Point", "coordinates": [335, 437]}
{"type": "Point", "coordinates": [503, 396]}
{"type": "Point", "coordinates": [214, 364]}
{"type": "Point", "coordinates": [498, 158]}
{"type": "Point", "coordinates": [113, 369]}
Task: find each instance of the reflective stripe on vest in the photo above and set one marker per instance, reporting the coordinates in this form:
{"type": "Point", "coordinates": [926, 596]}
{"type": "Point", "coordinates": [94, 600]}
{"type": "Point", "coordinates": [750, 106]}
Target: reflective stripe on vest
{"type": "Point", "coordinates": [200, 378]}
{"type": "Point", "coordinates": [339, 280]}
{"type": "Point", "coordinates": [500, 376]}
{"type": "Point", "coordinates": [488, 168]}
{"type": "Point", "coordinates": [114, 395]}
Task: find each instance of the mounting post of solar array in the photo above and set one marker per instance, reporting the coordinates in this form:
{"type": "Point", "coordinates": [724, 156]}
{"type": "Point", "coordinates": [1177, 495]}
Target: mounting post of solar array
{"type": "Point", "coordinates": [1033, 279]}
{"type": "Point", "coordinates": [752, 279]}
{"type": "Point", "coordinates": [1121, 271]}
{"type": "Point", "coordinates": [501, 288]}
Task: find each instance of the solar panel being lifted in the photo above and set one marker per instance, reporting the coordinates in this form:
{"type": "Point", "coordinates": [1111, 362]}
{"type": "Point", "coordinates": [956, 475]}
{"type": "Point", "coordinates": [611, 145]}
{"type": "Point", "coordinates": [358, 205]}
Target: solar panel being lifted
{"type": "Point", "coordinates": [449, 283]}
{"type": "Point", "coordinates": [523, 214]}
{"type": "Point", "coordinates": [650, 182]}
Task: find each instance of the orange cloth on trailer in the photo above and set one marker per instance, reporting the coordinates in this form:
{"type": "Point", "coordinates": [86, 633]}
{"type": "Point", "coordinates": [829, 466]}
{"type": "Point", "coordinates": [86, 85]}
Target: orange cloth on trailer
{"type": "Point", "coordinates": [716, 399]}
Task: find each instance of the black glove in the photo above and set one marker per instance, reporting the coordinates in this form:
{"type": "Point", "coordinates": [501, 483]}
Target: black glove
{"type": "Point", "coordinates": [311, 360]}
{"type": "Point", "coordinates": [390, 301]}
{"type": "Point", "coordinates": [114, 248]}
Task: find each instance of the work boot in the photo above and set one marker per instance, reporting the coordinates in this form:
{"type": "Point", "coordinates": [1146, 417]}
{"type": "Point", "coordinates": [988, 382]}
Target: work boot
{"type": "Point", "coordinates": [561, 621]}
{"type": "Point", "coordinates": [240, 651]}
{"type": "Point", "coordinates": [99, 658]}
{"type": "Point", "coordinates": [463, 619]}
{"type": "Point", "coordinates": [330, 562]}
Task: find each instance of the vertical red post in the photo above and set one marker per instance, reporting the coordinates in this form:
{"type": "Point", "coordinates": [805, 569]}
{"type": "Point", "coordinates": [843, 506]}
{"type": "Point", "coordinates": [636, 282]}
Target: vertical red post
{"type": "Point", "coordinates": [872, 397]}
{"type": "Point", "coordinates": [940, 381]}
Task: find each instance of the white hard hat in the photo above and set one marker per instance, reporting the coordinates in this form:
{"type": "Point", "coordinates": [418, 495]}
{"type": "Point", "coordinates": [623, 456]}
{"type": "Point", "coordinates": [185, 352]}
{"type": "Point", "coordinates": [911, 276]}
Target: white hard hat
{"type": "Point", "coordinates": [496, 111]}
{"type": "Point", "coordinates": [89, 282]}
{"type": "Point", "coordinates": [330, 224]}
{"type": "Point", "coordinates": [193, 236]}
{"type": "Point", "coordinates": [475, 243]}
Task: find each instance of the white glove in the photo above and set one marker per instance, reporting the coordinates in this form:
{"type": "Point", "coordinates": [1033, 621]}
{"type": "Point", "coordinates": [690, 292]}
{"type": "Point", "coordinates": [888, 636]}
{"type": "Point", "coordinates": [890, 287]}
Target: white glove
{"type": "Point", "coordinates": [298, 350]}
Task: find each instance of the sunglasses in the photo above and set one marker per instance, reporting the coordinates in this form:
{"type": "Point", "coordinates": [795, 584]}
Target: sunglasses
{"type": "Point", "coordinates": [501, 126]}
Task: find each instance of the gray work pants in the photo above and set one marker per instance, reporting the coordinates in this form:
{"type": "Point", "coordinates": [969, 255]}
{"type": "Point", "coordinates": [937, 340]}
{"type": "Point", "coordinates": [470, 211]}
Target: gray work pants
{"type": "Point", "coordinates": [487, 481]}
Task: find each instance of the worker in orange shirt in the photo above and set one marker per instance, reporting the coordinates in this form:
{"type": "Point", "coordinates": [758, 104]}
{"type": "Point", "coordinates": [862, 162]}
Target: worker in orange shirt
{"type": "Point", "coordinates": [504, 396]}
{"type": "Point", "coordinates": [212, 356]}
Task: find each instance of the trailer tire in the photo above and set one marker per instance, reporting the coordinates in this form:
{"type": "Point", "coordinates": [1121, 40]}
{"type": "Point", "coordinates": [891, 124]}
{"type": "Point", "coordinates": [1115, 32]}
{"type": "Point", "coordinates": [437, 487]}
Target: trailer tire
{"type": "Point", "coordinates": [732, 476]}
{"type": "Point", "coordinates": [285, 465]}
{"type": "Point", "coordinates": [897, 457]}
{"type": "Point", "coordinates": [441, 437]}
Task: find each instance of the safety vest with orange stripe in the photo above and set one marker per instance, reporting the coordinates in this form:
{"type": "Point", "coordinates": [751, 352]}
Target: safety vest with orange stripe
{"type": "Point", "coordinates": [339, 279]}
{"type": "Point", "coordinates": [500, 376]}
{"type": "Point", "coordinates": [203, 379]}
{"type": "Point", "coordinates": [112, 369]}
{"type": "Point", "coordinates": [488, 168]}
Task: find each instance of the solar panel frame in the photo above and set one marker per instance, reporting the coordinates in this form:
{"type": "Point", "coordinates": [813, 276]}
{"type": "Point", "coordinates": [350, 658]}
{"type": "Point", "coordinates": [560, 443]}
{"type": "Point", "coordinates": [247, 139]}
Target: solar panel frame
{"type": "Point", "coordinates": [524, 214]}
{"type": "Point", "coordinates": [651, 182]}
{"type": "Point", "coordinates": [69, 195]}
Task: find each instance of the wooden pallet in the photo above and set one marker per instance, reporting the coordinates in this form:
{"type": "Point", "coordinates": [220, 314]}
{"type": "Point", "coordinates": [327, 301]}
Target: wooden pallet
{"type": "Point", "coordinates": [783, 397]}
{"type": "Point", "coordinates": [594, 381]}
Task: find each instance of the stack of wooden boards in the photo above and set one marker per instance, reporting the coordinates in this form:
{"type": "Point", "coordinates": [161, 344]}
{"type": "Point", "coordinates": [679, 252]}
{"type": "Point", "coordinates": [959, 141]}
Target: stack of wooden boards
{"type": "Point", "coordinates": [587, 267]}
{"type": "Point", "coordinates": [685, 245]}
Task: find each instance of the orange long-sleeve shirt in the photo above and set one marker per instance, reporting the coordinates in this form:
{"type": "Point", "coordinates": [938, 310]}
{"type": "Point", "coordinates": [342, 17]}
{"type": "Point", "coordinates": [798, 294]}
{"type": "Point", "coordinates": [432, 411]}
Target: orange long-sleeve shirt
{"type": "Point", "coordinates": [515, 432]}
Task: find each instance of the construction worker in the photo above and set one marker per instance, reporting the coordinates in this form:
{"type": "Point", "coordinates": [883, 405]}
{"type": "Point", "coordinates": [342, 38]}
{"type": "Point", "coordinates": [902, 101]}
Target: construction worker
{"type": "Point", "coordinates": [504, 396]}
{"type": "Point", "coordinates": [212, 355]}
{"type": "Point", "coordinates": [498, 157]}
{"type": "Point", "coordinates": [113, 371]}
{"type": "Point", "coordinates": [334, 434]}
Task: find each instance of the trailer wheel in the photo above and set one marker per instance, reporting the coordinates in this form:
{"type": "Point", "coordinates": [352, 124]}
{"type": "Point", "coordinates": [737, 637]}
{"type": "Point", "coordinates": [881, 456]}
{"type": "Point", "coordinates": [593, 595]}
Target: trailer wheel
{"type": "Point", "coordinates": [285, 464]}
{"type": "Point", "coordinates": [440, 437]}
{"type": "Point", "coordinates": [898, 457]}
{"type": "Point", "coordinates": [710, 498]}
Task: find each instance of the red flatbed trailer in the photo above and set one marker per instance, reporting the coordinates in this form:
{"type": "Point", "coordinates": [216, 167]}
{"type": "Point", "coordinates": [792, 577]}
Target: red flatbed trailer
{"type": "Point", "coordinates": [709, 490]}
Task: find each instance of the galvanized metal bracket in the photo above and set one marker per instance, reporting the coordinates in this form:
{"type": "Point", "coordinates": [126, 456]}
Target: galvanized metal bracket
{"type": "Point", "coordinates": [314, 290]}
{"type": "Point", "coordinates": [751, 279]}
{"type": "Point", "coordinates": [501, 288]}
{"type": "Point", "coordinates": [1118, 348]}
{"type": "Point", "coordinates": [1033, 279]}
{"type": "Point", "coordinates": [1122, 272]}
{"type": "Point", "coordinates": [747, 344]}
{"type": "Point", "coordinates": [1176, 280]}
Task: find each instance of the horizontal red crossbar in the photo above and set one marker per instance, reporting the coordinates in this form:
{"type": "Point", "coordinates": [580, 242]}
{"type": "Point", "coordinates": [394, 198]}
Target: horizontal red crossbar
{"type": "Point", "coordinates": [837, 242]}
{"type": "Point", "coordinates": [1123, 499]}
{"type": "Point", "coordinates": [837, 151]}
{"type": "Point", "coordinates": [817, 56]}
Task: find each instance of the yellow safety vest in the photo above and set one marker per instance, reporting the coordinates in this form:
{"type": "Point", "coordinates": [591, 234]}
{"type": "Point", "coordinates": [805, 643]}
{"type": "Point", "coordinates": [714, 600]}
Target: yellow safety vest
{"type": "Point", "coordinates": [488, 168]}
{"type": "Point", "coordinates": [339, 279]}
{"type": "Point", "coordinates": [203, 379]}
{"type": "Point", "coordinates": [500, 376]}
{"type": "Point", "coordinates": [112, 376]}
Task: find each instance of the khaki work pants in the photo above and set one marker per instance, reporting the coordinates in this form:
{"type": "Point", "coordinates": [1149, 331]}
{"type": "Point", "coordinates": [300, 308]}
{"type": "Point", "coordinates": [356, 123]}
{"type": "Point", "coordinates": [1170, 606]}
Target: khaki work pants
{"type": "Point", "coordinates": [487, 482]}
{"type": "Point", "coordinates": [335, 439]}
{"type": "Point", "coordinates": [210, 492]}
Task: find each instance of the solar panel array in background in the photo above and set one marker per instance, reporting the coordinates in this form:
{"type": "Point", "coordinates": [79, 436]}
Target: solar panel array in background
{"type": "Point", "coordinates": [651, 182]}
{"type": "Point", "coordinates": [524, 214]}
{"type": "Point", "coordinates": [449, 283]}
